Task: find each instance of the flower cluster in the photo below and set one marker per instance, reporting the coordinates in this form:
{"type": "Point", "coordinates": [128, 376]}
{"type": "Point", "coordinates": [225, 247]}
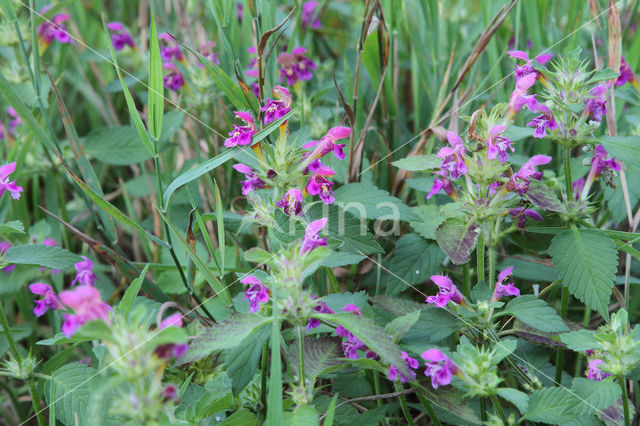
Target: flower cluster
{"type": "Point", "coordinates": [352, 344]}
{"type": "Point", "coordinates": [173, 78]}
{"type": "Point", "coordinates": [6, 184]}
{"type": "Point", "coordinates": [508, 289]}
{"type": "Point", "coordinates": [448, 292]}
{"type": "Point", "coordinates": [310, 17]}
{"type": "Point", "coordinates": [256, 294]}
{"type": "Point", "coordinates": [120, 37]}
{"type": "Point", "coordinates": [295, 66]}
{"type": "Point", "coordinates": [241, 135]}
{"type": "Point", "coordinates": [439, 367]}
{"type": "Point", "coordinates": [412, 364]}
{"type": "Point", "coordinates": [54, 29]}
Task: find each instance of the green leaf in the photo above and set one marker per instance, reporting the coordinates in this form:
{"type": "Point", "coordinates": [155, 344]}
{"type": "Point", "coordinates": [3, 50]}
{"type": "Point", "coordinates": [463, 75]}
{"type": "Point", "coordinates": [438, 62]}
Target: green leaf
{"type": "Point", "coordinates": [395, 305]}
{"type": "Point", "coordinates": [328, 420]}
{"type": "Point", "coordinates": [156, 84]}
{"type": "Point", "coordinates": [419, 163]}
{"type": "Point", "coordinates": [116, 145]}
{"type": "Point", "coordinates": [603, 74]}
{"type": "Point", "coordinates": [242, 361]}
{"type": "Point", "coordinates": [196, 172]}
{"type": "Point", "coordinates": [371, 335]}
{"type": "Point", "coordinates": [305, 415]}
{"type": "Point", "coordinates": [595, 395]}
{"type": "Point", "coordinates": [542, 196]}
{"type": "Point", "coordinates": [457, 239]}
{"type": "Point", "coordinates": [131, 105]}
{"type": "Point", "coordinates": [241, 417]}
{"type": "Point", "coordinates": [366, 201]}
{"type": "Point", "coordinates": [430, 219]}
{"type": "Point", "coordinates": [535, 313]}
{"type": "Point", "coordinates": [399, 326]}
{"type": "Point", "coordinates": [516, 397]}
{"type": "Point", "coordinates": [132, 291]}
{"type": "Point", "coordinates": [413, 259]}
{"type": "Point", "coordinates": [586, 261]}
{"type": "Point", "coordinates": [320, 355]}
{"type": "Point", "coordinates": [551, 405]}
{"type": "Point", "coordinates": [41, 255]}
{"type": "Point", "coordinates": [580, 341]}
{"type": "Point", "coordinates": [623, 148]}
{"type": "Point", "coordinates": [12, 227]}
{"type": "Point", "coordinates": [225, 335]}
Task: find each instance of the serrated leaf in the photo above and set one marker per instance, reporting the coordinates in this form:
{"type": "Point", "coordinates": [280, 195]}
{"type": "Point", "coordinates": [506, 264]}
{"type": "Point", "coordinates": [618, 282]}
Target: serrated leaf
{"type": "Point", "coordinates": [434, 325]}
{"type": "Point", "coordinates": [225, 335]}
{"type": "Point", "coordinates": [366, 201]}
{"type": "Point", "coordinates": [551, 405]}
{"type": "Point", "coordinates": [586, 261]}
{"type": "Point", "coordinates": [241, 362]}
{"type": "Point", "coordinates": [116, 145]}
{"type": "Point", "coordinates": [595, 395]}
{"type": "Point", "coordinates": [516, 397]}
{"type": "Point", "coordinates": [536, 313]}
{"type": "Point", "coordinates": [414, 259]}
{"type": "Point", "coordinates": [430, 219]}
{"type": "Point", "coordinates": [603, 74]}
{"type": "Point", "coordinates": [41, 255]}
{"type": "Point", "coordinates": [457, 239]}
{"type": "Point", "coordinates": [419, 163]}
{"type": "Point", "coordinates": [371, 335]}
{"type": "Point", "coordinates": [399, 326]}
{"type": "Point", "coordinates": [395, 305]}
{"type": "Point", "coordinates": [12, 227]}
{"type": "Point", "coordinates": [580, 341]}
{"type": "Point", "coordinates": [624, 148]}
{"type": "Point", "coordinates": [542, 196]}
{"type": "Point", "coordinates": [320, 355]}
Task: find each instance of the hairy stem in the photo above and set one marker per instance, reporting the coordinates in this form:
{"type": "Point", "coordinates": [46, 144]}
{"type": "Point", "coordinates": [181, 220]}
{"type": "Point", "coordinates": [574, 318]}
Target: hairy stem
{"type": "Point", "coordinates": [430, 411]}
{"type": "Point", "coordinates": [560, 354]}
{"type": "Point", "coordinates": [566, 156]}
{"type": "Point", "coordinates": [403, 404]}
{"type": "Point", "coordinates": [300, 333]}
{"type": "Point", "coordinates": [498, 408]}
{"type": "Point", "coordinates": [625, 400]}
{"type": "Point", "coordinates": [480, 258]}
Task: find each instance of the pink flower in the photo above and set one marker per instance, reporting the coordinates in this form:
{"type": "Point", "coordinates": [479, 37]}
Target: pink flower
{"type": "Point", "coordinates": [241, 135]}
{"type": "Point", "coordinates": [520, 214]}
{"type": "Point", "coordinates": [257, 293]}
{"type": "Point", "coordinates": [291, 202]}
{"type": "Point", "coordinates": [498, 145]}
{"type": "Point", "coordinates": [543, 122]}
{"type": "Point", "coordinates": [626, 73]}
{"type": "Point", "coordinates": [206, 49]}
{"type": "Point", "coordinates": [87, 304]}
{"type": "Point", "coordinates": [595, 373]}
{"type": "Point", "coordinates": [595, 108]}
{"type": "Point", "coordinates": [440, 368]}
{"type": "Point", "coordinates": [170, 49]}
{"type": "Point", "coordinates": [169, 350]}
{"type": "Point", "coordinates": [170, 392]}
{"type": "Point", "coordinates": [304, 65]}
{"type": "Point", "coordinates": [309, 15]}
{"type": "Point", "coordinates": [448, 291]}
{"type": "Point", "coordinates": [412, 363]}
{"type": "Point", "coordinates": [320, 308]}
{"type": "Point", "coordinates": [504, 289]}
{"type": "Point", "coordinates": [84, 272]}
{"type": "Point", "coordinates": [520, 181]}
{"type": "Point", "coordinates": [442, 183]}
{"type": "Point", "coordinates": [328, 144]}
{"type": "Point", "coordinates": [276, 109]}
{"type": "Point", "coordinates": [252, 181]}
{"type": "Point", "coordinates": [311, 238]}
{"type": "Point", "coordinates": [6, 184]}
{"type": "Point", "coordinates": [600, 162]}
{"type": "Point", "coordinates": [55, 29]}
{"type": "Point", "coordinates": [120, 37]}
{"type": "Point", "coordinates": [49, 299]}
{"type": "Point", "coordinates": [318, 183]}
{"type": "Point", "coordinates": [172, 78]}
{"type": "Point", "coordinates": [453, 158]}
{"type": "Point", "coordinates": [288, 69]}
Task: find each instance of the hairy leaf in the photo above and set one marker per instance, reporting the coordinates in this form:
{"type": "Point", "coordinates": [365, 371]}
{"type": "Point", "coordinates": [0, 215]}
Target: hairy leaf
{"type": "Point", "coordinates": [595, 395]}
{"type": "Point", "coordinates": [536, 313]}
{"type": "Point", "coordinates": [41, 255]}
{"type": "Point", "coordinates": [366, 201]}
{"type": "Point", "coordinates": [419, 163]}
{"type": "Point", "coordinates": [116, 145]}
{"type": "Point", "coordinates": [319, 355]}
{"type": "Point", "coordinates": [457, 239]}
{"type": "Point", "coordinates": [551, 405]}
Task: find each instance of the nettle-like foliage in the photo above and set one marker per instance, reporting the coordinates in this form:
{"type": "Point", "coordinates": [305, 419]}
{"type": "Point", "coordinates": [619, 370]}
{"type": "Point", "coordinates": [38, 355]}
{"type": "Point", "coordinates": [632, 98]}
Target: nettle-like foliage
{"type": "Point", "coordinates": [332, 288]}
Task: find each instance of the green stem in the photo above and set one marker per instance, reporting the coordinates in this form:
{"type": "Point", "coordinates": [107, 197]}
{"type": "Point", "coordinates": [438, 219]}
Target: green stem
{"type": "Point", "coordinates": [403, 405]}
{"type": "Point", "coordinates": [498, 408]}
{"type": "Point", "coordinates": [625, 400]}
{"type": "Point", "coordinates": [566, 156]}
{"type": "Point", "coordinates": [376, 386]}
{"type": "Point", "coordinates": [492, 265]}
{"type": "Point", "coordinates": [300, 332]}
{"type": "Point", "coordinates": [263, 377]}
{"type": "Point", "coordinates": [560, 354]}
{"type": "Point", "coordinates": [483, 409]}
{"type": "Point", "coordinates": [430, 411]}
{"type": "Point", "coordinates": [466, 280]}
{"type": "Point", "coordinates": [35, 399]}
{"type": "Point", "coordinates": [480, 258]}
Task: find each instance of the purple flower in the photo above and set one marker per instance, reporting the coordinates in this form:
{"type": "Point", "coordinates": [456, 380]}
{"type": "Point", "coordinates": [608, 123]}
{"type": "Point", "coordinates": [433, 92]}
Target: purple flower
{"type": "Point", "coordinates": [241, 135]}
{"type": "Point", "coordinates": [448, 291]}
{"type": "Point", "coordinates": [412, 363]}
{"type": "Point", "coordinates": [440, 184]}
{"type": "Point", "coordinates": [520, 181]}
{"type": "Point", "coordinates": [596, 107]}
{"type": "Point", "coordinates": [304, 65]}
{"type": "Point", "coordinates": [309, 17]}
{"type": "Point", "coordinates": [252, 68]}
{"type": "Point", "coordinates": [318, 183]}
{"type": "Point", "coordinates": [311, 238]}
{"type": "Point", "coordinates": [328, 144]}
{"type": "Point", "coordinates": [87, 304]}
{"type": "Point", "coordinates": [508, 289]}
{"type": "Point", "coordinates": [169, 350]}
{"type": "Point", "coordinates": [543, 122]}
{"type": "Point", "coordinates": [173, 78]}
{"type": "Point", "coordinates": [498, 145]}
{"type": "Point", "coordinates": [577, 186]}
{"type": "Point", "coordinates": [440, 368]}
{"type": "Point", "coordinates": [169, 393]}
{"type": "Point", "coordinates": [55, 29]}
{"type": "Point", "coordinates": [295, 66]}
{"type": "Point", "coordinates": [120, 37]}
{"type": "Point", "coordinates": [352, 344]}
{"type": "Point", "coordinates": [170, 49]}
{"type": "Point", "coordinates": [595, 373]}
{"type": "Point", "coordinates": [255, 88]}
{"type": "Point", "coordinates": [519, 96]}
{"type": "Point", "coordinates": [239, 9]}
{"type": "Point", "coordinates": [84, 272]}
{"type": "Point", "coordinates": [256, 294]}
{"type": "Point", "coordinates": [49, 299]}
{"type": "Point", "coordinates": [4, 246]}
{"type": "Point", "coordinates": [276, 109]}
{"type": "Point", "coordinates": [626, 73]}
{"type": "Point", "coordinates": [291, 202]}
{"type": "Point", "coordinates": [15, 120]}
{"type": "Point", "coordinates": [600, 162]}
{"type": "Point", "coordinates": [453, 158]}
{"type": "Point", "coordinates": [252, 181]}
{"type": "Point", "coordinates": [520, 214]}
{"type": "Point", "coordinates": [206, 49]}
{"type": "Point", "coordinates": [6, 184]}
{"type": "Point", "coordinates": [320, 308]}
